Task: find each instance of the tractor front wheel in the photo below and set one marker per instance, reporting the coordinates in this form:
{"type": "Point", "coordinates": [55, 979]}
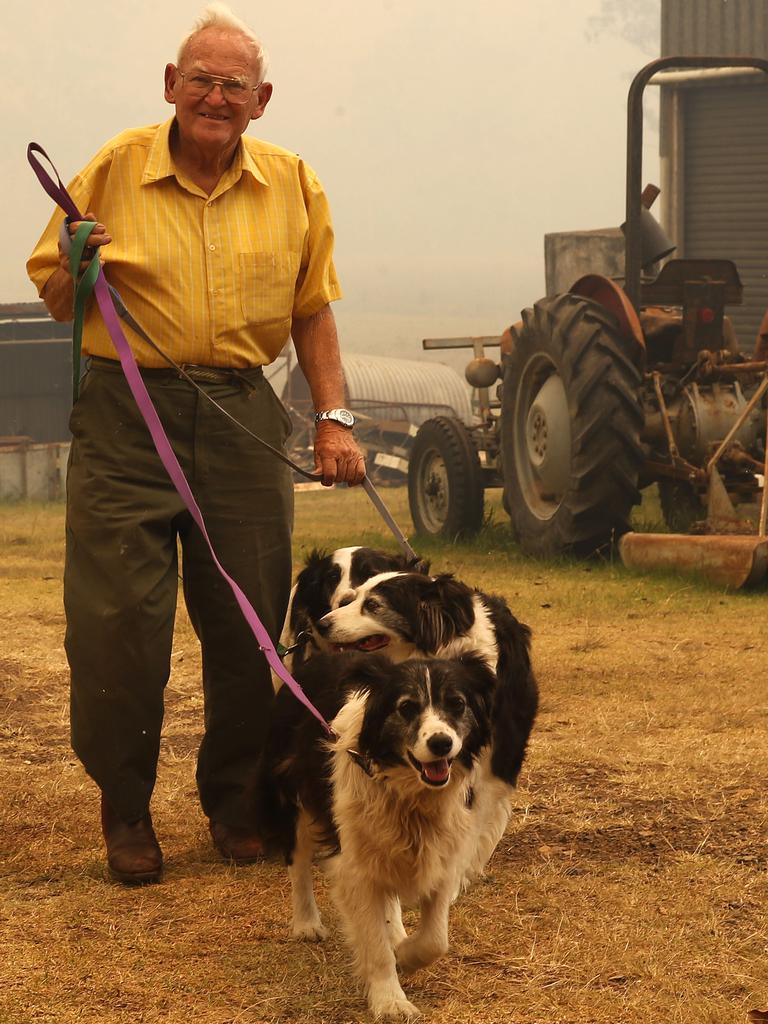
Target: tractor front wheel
{"type": "Point", "coordinates": [445, 484]}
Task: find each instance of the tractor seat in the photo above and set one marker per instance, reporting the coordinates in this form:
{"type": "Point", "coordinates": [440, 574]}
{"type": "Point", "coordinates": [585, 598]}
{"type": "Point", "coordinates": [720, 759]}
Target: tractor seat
{"type": "Point", "coordinates": [668, 289]}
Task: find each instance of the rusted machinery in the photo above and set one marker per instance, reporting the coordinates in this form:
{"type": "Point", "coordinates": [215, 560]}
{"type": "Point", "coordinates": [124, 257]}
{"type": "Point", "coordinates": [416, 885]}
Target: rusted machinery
{"type": "Point", "coordinates": [608, 388]}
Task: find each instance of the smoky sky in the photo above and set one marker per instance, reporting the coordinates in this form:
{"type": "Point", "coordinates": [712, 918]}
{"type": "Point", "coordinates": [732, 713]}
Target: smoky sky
{"type": "Point", "coordinates": [637, 23]}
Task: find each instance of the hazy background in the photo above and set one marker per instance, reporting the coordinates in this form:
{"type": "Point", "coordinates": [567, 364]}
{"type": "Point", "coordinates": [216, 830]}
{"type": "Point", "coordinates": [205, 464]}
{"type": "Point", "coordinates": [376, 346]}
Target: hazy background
{"type": "Point", "coordinates": [450, 137]}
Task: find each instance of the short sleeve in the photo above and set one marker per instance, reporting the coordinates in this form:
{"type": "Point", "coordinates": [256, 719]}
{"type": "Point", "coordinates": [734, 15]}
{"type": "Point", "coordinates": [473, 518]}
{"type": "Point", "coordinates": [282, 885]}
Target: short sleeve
{"type": "Point", "coordinates": [317, 284]}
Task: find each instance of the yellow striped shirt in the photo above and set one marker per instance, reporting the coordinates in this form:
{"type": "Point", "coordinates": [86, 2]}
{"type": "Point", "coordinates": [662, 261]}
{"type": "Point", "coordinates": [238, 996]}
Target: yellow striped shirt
{"type": "Point", "coordinates": [213, 280]}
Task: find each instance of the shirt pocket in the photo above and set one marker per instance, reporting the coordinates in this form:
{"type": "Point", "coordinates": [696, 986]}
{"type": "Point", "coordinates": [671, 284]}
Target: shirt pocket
{"type": "Point", "coordinates": [267, 285]}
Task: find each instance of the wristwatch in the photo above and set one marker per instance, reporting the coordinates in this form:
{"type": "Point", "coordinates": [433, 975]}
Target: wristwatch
{"type": "Point", "coordinates": [341, 416]}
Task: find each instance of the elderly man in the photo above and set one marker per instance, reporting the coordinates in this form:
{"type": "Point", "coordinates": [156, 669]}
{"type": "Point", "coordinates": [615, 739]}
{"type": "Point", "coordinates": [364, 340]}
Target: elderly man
{"type": "Point", "coordinates": [221, 247]}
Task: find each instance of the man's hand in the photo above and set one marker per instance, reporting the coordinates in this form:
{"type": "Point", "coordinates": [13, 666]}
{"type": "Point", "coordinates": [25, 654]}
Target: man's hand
{"type": "Point", "coordinates": [58, 291]}
{"type": "Point", "coordinates": [98, 237]}
{"type": "Point", "coordinates": [337, 455]}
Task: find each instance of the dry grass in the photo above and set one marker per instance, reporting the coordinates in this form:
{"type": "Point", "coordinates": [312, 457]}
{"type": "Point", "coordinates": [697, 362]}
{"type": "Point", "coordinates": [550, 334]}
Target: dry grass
{"type": "Point", "coordinates": [630, 887]}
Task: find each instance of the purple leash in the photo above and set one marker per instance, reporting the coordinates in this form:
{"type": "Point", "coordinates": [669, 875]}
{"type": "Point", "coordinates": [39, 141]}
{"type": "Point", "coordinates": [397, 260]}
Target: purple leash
{"type": "Point", "coordinates": [62, 198]}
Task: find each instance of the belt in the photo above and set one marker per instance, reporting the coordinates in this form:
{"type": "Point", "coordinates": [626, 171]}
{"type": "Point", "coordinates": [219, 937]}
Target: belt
{"type": "Point", "coordinates": [204, 374]}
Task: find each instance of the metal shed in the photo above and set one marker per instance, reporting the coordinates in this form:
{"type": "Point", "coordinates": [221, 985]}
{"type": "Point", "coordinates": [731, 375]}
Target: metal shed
{"type": "Point", "coordinates": [714, 145]}
{"type": "Point", "coordinates": [391, 399]}
{"type": "Point", "coordinates": [381, 387]}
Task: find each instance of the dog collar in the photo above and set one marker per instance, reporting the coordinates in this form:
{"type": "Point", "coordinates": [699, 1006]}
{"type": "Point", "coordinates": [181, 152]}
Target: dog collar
{"type": "Point", "coordinates": [303, 638]}
{"type": "Point", "coordinates": [362, 761]}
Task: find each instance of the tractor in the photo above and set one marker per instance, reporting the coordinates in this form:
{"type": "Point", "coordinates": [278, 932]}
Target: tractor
{"type": "Point", "coordinates": [604, 390]}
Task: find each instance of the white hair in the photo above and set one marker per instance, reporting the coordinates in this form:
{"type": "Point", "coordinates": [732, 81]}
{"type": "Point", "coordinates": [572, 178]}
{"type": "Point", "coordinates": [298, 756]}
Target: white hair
{"type": "Point", "coordinates": [219, 15]}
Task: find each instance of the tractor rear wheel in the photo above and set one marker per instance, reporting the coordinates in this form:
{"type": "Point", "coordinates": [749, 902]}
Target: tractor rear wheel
{"type": "Point", "coordinates": [571, 419]}
{"type": "Point", "coordinates": [445, 483]}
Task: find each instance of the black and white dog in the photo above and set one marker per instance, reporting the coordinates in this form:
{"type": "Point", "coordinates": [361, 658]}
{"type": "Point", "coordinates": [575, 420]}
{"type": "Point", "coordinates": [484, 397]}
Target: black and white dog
{"type": "Point", "coordinates": [408, 615]}
{"type": "Point", "coordinates": [388, 801]}
{"type": "Point", "coordinates": [327, 580]}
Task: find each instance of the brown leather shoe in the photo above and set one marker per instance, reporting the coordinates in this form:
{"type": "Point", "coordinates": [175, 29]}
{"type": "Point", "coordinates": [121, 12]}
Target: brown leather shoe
{"type": "Point", "coordinates": [133, 852]}
{"type": "Point", "coordinates": [239, 844]}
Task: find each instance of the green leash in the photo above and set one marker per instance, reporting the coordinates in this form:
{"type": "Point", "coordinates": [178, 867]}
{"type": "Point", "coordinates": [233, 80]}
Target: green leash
{"type": "Point", "coordinates": [83, 288]}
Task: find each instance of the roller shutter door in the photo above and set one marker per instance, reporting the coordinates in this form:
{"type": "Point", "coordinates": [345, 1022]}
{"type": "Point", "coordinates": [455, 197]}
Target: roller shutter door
{"type": "Point", "coordinates": [725, 193]}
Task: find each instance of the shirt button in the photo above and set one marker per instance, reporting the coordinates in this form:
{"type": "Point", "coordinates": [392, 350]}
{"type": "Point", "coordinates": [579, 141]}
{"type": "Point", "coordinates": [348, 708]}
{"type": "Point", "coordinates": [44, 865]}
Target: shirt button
{"type": "Point", "coordinates": [212, 248]}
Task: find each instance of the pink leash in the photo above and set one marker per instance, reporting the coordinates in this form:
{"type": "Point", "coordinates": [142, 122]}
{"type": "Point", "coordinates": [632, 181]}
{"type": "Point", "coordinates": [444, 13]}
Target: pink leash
{"type": "Point", "coordinates": [62, 198]}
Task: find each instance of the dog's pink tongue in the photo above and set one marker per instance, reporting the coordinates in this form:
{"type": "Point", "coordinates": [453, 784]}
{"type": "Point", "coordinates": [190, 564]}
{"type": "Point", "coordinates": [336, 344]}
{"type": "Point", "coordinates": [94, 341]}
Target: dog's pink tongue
{"type": "Point", "coordinates": [373, 643]}
{"type": "Point", "coordinates": [437, 771]}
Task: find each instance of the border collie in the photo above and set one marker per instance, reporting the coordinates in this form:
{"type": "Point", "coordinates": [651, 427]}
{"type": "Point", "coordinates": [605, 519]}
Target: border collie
{"type": "Point", "coordinates": [327, 581]}
{"type": "Point", "coordinates": [409, 615]}
{"type": "Point", "coordinates": [387, 801]}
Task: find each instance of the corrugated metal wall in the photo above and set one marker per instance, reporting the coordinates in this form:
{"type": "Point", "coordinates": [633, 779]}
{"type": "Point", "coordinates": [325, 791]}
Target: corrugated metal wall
{"type": "Point", "coordinates": [35, 389]}
{"type": "Point", "coordinates": [714, 27]}
{"type": "Point", "coordinates": [725, 200]}
{"type": "Point", "coordinates": [721, 130]}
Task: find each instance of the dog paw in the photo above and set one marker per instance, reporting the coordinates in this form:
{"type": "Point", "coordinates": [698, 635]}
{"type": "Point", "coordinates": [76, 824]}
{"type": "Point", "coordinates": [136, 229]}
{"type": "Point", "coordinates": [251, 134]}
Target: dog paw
{"type": "Point", "coordinates": [393, 1007]}
{"type": "Point", "coordinates": [310, 931]}
{"type": "Point", "coordinates": [414, 953]}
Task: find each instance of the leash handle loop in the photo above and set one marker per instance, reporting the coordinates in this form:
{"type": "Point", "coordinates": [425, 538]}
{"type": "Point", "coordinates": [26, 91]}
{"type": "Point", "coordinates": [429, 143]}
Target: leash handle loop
{"type": "Point", "coordinates": [58, 194]}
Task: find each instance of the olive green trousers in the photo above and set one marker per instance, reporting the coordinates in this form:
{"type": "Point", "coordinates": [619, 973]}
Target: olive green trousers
{"type": "Point", "coordinates": [125, 522]}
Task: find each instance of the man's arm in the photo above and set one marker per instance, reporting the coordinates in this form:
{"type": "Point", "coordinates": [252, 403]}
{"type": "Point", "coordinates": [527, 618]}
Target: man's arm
{"type": "Point", "coordinates": [316, 342]}
{"type": "Point", "coordinates": [58, 295]}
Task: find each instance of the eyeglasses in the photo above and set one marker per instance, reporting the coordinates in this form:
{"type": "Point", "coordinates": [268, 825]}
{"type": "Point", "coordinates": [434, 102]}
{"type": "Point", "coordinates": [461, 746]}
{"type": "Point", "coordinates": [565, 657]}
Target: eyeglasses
{"type": "Point", "coordinates": [197, 85]}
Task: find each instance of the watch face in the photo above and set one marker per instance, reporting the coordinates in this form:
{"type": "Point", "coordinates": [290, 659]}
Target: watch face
{"type": "Point", "coordinates": [344, 416]}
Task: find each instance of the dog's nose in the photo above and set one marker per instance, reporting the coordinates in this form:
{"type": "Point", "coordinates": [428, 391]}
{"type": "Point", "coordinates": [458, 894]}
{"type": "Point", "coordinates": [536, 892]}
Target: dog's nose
{"type": "Point", "coordinates": [322, 625]}
{"type": "Point", "coordinates": [440, 744]}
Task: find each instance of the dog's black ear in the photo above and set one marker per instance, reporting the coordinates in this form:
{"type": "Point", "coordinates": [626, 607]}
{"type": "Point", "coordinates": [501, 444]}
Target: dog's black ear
{"type": "Point", "coordinates": [514, 641]}
{"type": "Point", "coordinates": [444, 611]}
{"type": "Point", "coordinates": [384, 680]}
{"type": "Point", "coordinates": [417, 564]}
{"type": "Point", "coordinates": [315, 557]}
{"type": "Point", "coordinates": [517, 695]}
{"type": "Point", "coordinates": [314, 586]}
{"type": "Point", "coordinates": [310, 577]}
{"type": "Point", "coordinates": [365, 671]}
{"type": "Point", "coordinates": [482, 689]}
